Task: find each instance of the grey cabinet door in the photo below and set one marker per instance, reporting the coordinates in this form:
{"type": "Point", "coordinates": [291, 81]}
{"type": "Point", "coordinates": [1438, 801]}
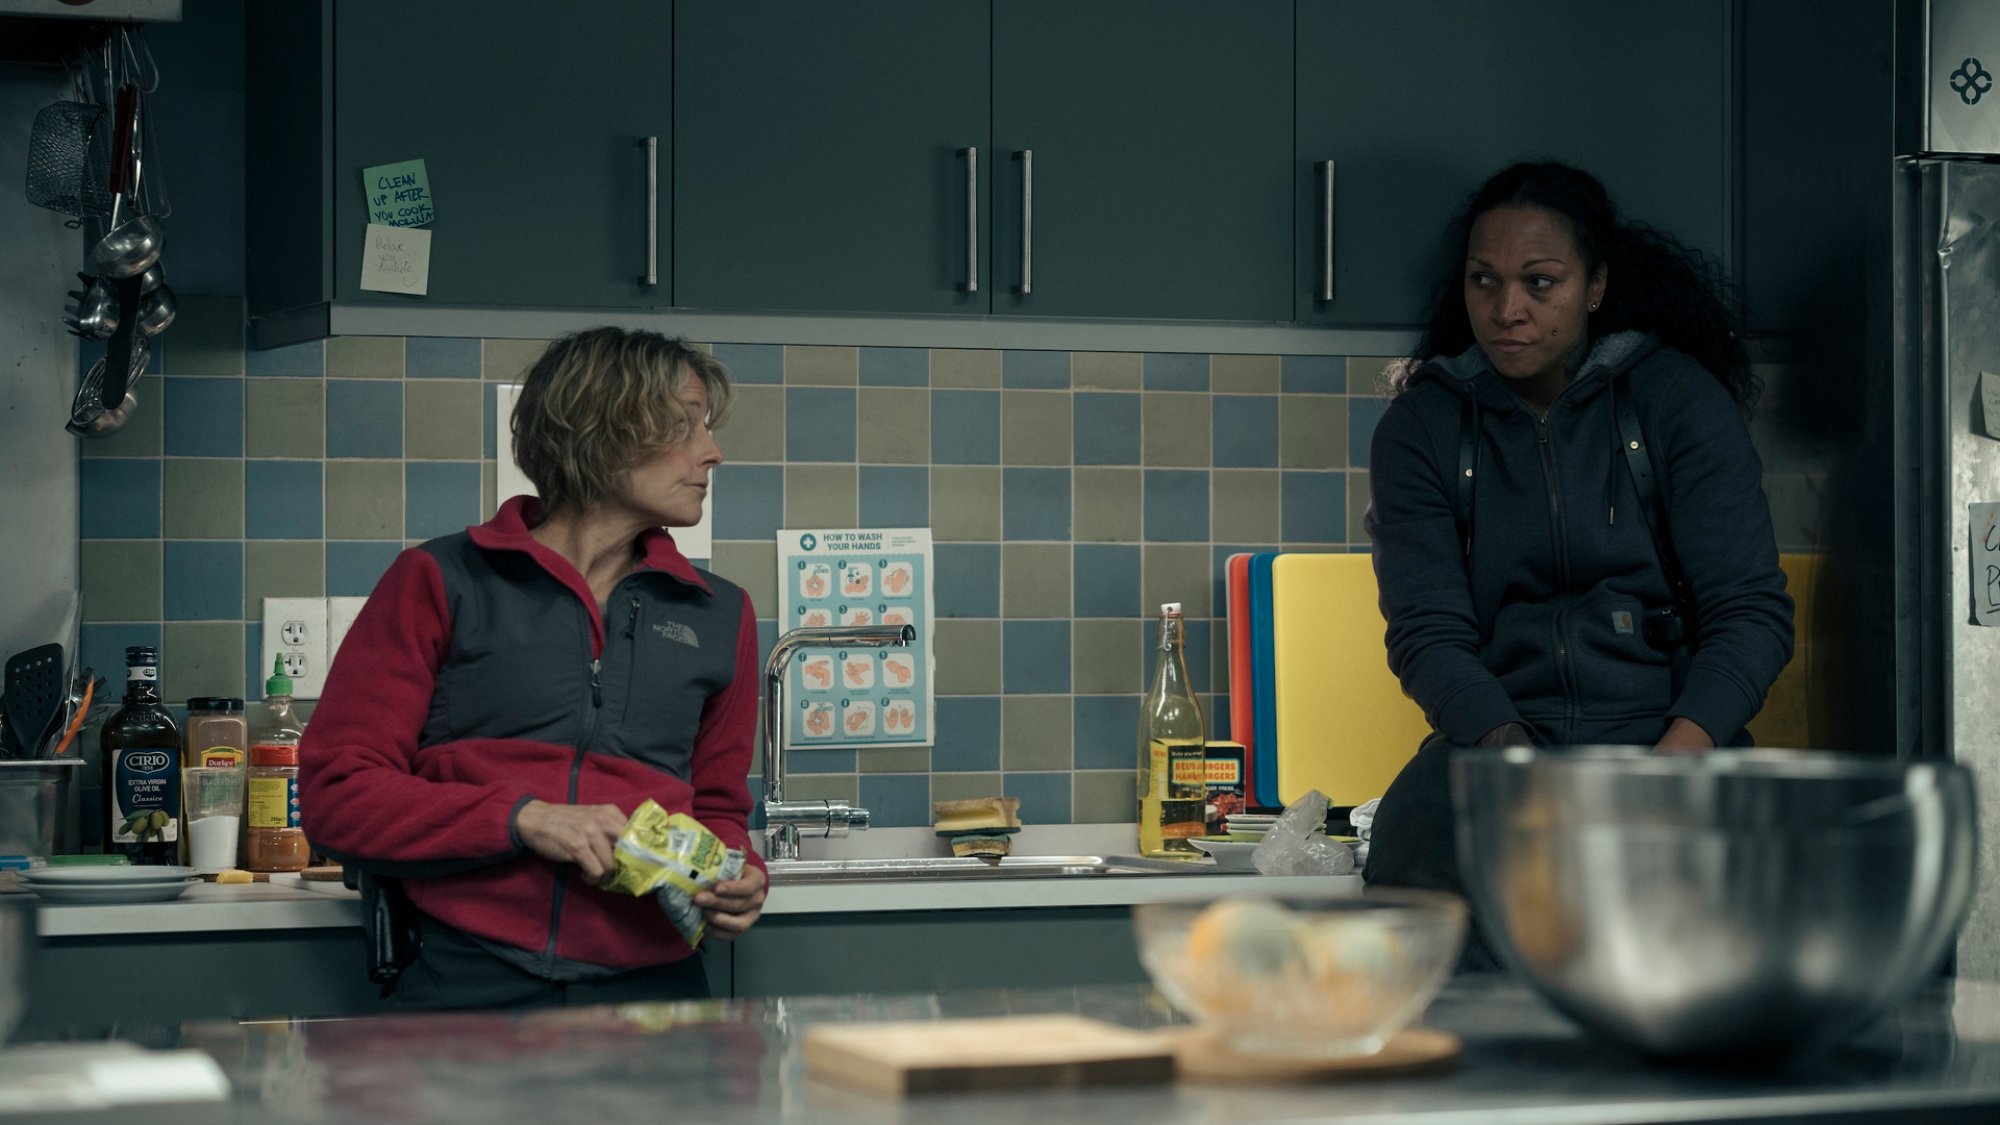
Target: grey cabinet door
{"type": "Point", "coordinates": [819, 159]}
{"type": "Point", "coordinates": [1417, 102]}
{"type": "Point", "coordinates": [1161, 133]}
{"type": "Point", "coordinates": [531, 120]}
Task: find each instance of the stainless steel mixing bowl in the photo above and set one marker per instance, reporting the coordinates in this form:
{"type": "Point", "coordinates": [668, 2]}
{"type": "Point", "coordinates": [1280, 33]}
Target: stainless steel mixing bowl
{"type": "Point", "coordinates": [1736, 903]}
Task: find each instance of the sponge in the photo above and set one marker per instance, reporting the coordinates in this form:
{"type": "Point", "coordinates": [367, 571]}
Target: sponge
{"type": "Point", "coordinates": [979, 826]}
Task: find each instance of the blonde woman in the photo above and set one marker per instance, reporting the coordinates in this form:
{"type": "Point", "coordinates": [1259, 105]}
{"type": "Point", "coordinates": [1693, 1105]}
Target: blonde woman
{"type": "Point", "coordinates": [511, 693]}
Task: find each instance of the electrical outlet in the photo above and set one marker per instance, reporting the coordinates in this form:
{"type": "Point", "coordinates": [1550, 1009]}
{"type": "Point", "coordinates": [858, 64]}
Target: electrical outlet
{"type": "Point", "coordinates": [340, 615]}
{"type": "Point", "coordinates": [295, 630]}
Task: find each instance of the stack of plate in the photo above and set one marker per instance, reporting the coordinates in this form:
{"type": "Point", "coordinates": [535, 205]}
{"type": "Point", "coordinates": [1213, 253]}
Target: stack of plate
{"type": "Point", "coordinates": [1249, 825]}
{"type": "Point", "coordinates": [81, 885]}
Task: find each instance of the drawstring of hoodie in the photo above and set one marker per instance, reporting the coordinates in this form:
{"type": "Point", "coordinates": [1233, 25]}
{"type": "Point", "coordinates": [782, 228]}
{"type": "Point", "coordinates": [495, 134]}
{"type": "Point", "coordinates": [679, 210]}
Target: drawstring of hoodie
{"type": "Point", "coordinates": [1611, 477]}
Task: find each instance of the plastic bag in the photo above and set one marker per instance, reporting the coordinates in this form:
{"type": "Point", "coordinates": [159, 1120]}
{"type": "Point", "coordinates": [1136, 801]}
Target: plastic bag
{"type": "Point", "coordinates": [673, 857]}
{"type": "Point", "coordinates": [1298, 845]}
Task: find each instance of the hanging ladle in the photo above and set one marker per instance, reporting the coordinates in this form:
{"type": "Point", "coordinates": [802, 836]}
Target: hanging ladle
{"type": "Point", "coordinates": [132, 244]}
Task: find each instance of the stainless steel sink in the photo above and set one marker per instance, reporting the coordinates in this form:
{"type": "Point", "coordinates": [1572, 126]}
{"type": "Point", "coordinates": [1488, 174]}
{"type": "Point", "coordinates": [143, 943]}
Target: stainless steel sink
{"type": "Point", "coordinates": [972, 867]}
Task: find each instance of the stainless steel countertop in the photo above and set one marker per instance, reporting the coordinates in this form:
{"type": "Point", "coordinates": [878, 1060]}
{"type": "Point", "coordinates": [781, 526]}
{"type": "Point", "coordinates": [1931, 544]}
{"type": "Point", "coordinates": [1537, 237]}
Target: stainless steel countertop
{"type": "Point", "coordinates": [739, 1061]}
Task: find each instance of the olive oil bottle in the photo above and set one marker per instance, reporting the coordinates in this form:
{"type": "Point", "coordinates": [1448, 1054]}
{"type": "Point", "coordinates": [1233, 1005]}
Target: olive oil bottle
{"type": "Point", "coordinates": [1172, 745]}
{"type": "Point", "coordinates": [142, 768]}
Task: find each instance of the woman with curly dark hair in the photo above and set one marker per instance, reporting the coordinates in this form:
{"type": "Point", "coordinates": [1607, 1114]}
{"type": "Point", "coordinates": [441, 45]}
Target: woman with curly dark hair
{"type": "Point", "coordinates": [1570, 531]}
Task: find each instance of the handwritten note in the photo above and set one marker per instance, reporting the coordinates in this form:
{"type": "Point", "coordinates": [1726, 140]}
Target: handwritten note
{"type": "Point", "coordinates": [1989, 399]}
{"type": "Point", "coordinates": [396, 260]}
{"type": "Point", "coordinates": [399, 194]}
{"type": "Point", "coordinates": [1985, 523]}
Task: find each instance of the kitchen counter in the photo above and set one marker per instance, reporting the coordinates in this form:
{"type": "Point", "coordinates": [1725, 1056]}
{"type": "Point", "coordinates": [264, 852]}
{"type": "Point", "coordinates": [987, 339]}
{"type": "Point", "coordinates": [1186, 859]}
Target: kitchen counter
{"type": "Point", "coordinates": [1937, 1061]}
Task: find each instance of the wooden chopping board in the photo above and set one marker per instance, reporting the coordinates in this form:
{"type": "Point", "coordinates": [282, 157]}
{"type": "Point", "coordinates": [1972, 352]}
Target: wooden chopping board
{"type": "Point", "coordinates": [921, 1056]}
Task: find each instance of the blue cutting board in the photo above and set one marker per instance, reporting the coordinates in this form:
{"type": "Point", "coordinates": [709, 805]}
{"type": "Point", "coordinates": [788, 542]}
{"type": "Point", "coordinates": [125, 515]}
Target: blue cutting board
{"type": "Point", "coordinates": [1263, 677]}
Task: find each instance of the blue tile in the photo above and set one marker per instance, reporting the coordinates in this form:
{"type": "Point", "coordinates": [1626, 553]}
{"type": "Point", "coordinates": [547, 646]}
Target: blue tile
{"type": "Point", "coordinates": [439, 497]}
{"type": "Point", "coordinates": [1044, 796]}
{"type": "Point", "coordinates": [1035, 504]}
{"type": "Point", "coordinates": [1107, 428]}
{"type": "Point", "coordinates": [767, 638]}
{"type": "Point", "coordinates": [1196, 636]}
{"type": "Point", "coordinates": [813, 759]}
{"type": "Point", "coordinates": [1035, 657]}
{"type": "Point", "coordinates": [352, 569]}
{"type": "Point", "coordinates": [1313, 374]}
{"type": "Point", "coordinates": [968, 734]}
{"type": "Point", "coordinates": [753, 363]}
{"type": "Point", "coordinates": [204, 417]}
{"type": "Point", "coordinates": [302, 361]}
{"type": "Point", "coordinates": [120, 497]}
{"type": "Point", "coordinates": [283, 500]}
{"type": "Point", "coordinates": [1245, 431]}
{"type": "Point", "coordinates": [965, 427]}
{"type": "Point", "coordinates": [1362, 415]}
{"type": "Point", "coordinates": [895, 367]}
{"type": "Point", "coordinates": [967, 580]}
{"type": "Point", "coordinates": [1176, 371]}
{"type": "Point", "coordinates": [441, 357]}
{"type": "Point", "coordinates": [1176, 505]}
{"type": "Point", "coordinates": [819, 424]}
{"type": "Point", "coordinates": [749, 501]}
{"type": "Point", "coordinates": [204, 580]}
{"type": "Point", "coordinates": [104, 653]}
{"type": "Point", "coordinates": [1105, 732]}
{"type": "Point", "coordinates": [1107, 580]}
{"type": "Point", "coordinates": [1315, 507]}
{"type": "Point", "coordinates": [1035, 371]}
{"type": "Point", "coordinates": [897, 800]}
{"type": "Point", "coordinates": [364, 418]}
{"type": "Point", "coordinates": [898, 496]}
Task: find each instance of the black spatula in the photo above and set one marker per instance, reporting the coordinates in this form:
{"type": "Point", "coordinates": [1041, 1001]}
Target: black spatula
{"type": "Point", "coordinates": [34, 695]}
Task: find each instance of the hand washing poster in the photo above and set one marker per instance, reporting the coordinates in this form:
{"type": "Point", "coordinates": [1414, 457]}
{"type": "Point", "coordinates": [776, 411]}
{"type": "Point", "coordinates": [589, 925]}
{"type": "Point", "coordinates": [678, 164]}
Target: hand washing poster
{"type": "Point", "coordinates": [853, 695]}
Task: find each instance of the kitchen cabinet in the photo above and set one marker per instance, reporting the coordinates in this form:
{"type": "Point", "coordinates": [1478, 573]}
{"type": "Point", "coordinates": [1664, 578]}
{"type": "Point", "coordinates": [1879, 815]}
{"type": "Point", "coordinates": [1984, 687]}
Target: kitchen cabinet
{"type": "Point", "coordinates": [531, 121]}
{"type": "Point", "coordinates": [1416, 103]}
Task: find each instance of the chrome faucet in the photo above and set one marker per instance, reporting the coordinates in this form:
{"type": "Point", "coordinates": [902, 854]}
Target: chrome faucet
{"type": "Point", "coordinates": [785, 821]}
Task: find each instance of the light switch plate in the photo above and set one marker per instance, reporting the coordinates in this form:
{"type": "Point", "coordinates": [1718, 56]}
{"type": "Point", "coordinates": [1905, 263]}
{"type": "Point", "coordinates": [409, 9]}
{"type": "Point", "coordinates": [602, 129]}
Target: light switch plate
{"type": "Point", "coordinates": [295, 629]}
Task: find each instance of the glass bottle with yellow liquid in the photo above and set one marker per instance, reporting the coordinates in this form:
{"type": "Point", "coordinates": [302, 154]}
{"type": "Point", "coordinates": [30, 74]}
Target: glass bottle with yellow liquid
{"type": "Point", "coordinates": [1172, 749]}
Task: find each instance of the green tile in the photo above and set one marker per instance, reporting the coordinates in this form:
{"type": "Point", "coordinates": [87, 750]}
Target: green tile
{"type": "Point", "coordinates": [281, 569]}
{"type": "Point", "coordinates": [895, 425]}
{"type": "Point", "coordinates": [364, 357]}
{"type": "Point", "coordinates": [822, 366]}
{"type": "Point", "coordinates": [1107, 371]}
{"type": "Point", "coordinates": [201, 658]}
{"type": "Point", "coordinates": [1177, 429]}
{"type": "Point", "coordinates": [822, 786]}
{"type": "Point", "coordinates": [1036, 427]}
{"type": "Point", "coordinates": [752, 565]}
{"type": "Point", "coordinates": [121, 580]}
{"type": "Point", "coordinates": [284, 418]}
{"type": "Point", "coordinates": [442, 420]}
{"type": "Point", "coordinates": [755, 430]}
{"type": "Point", "coordinates": [1177, 572]}
{"type": "Point", "coordinates": [1109, 505]}
{"type": "Point", "coordinates": [1312, 432]}
{"type": "Point", "coordinates": [968, 657]}
{"type": "Point", "coordinates": [364, 499]}
{"type": "Point", "coordinates": [1246, 506]}
{"type": "Point", "coordinates": [1105, 796]}
{"type": "Point", "coordinates": [1107, 656]}
{"type": "Point", "coordinates": [1035, 732]}
{"type": "Point", "coordinates": [1245, 374]}
{"type": "Point", "coordinates": [895, 759]}
{"type": "Point", "coordinates": [207, 337]}
{"type": "Point", "coordinates": [1368, 374]}
{"type": "Point", "coordinates": [201, 498]}
{"type": "Point", "coordinates": [1358, 499]}
{"type": "Point", "coordinates": [965, 502]}
{"type": "Point", "coordinates": [821, 495]}
{"type": "Point", "coordinates": [964, 786]}
{"type": "Point", "coordinates": [1034, 580]}
{"type": "Point", "coordinates": [140, 436]}
{"type": "Point", "coordinates": [504, 361]}
{"type": "Point", "coordinates": [963, 367]}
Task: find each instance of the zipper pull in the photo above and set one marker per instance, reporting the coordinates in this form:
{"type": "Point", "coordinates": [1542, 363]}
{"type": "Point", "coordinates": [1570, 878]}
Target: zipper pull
{"type": "Point", "coordinates": [632, 622]}
{"type": "Point", "coordinates": [596, 684]}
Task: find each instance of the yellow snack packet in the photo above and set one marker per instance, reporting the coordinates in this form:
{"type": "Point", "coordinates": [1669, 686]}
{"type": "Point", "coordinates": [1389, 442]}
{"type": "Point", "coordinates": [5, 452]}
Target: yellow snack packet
{"type": "Point", "coordinates": [673, 857]}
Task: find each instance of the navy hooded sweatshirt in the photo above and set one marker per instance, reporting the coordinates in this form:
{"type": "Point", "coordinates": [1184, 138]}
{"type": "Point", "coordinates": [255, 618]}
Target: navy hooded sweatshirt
{"type": "Point", "coordinates": [1542, 622]}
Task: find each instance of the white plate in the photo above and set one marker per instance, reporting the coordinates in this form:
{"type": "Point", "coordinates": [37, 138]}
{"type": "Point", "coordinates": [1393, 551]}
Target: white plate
{"type": "Point", "coordinates": [129, 875]}
{"type": "Point", "coordinates": [84, 894]}
{"type": "Point", "coordinates": [1232, 854]}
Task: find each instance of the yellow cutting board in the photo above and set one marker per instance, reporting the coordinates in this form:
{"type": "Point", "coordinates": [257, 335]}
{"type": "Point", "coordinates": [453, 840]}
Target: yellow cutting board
{"type": "Point", "coordinates": [1345, 727]}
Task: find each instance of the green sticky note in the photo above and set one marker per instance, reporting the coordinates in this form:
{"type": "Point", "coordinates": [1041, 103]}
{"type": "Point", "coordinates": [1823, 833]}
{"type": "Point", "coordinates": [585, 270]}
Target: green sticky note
{"type": "Point", "coordinates": [399, 194]}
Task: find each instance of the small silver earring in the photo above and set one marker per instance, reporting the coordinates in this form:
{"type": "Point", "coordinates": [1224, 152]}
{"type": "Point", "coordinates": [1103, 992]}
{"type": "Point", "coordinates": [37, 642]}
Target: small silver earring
{"type": "Point", "coordinates": [1593, 308]}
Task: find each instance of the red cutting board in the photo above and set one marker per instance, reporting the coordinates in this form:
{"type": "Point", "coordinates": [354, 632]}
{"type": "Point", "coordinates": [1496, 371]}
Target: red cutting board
{"type": "Point", "coordinates": [1242, 711]}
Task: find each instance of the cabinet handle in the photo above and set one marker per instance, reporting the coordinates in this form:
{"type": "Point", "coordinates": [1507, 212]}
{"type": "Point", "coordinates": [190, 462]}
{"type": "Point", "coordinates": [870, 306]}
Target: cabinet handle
{"type": "Point", "coordinates": [652, 276]}
{"type": "Point", "coordinates": [1027, 221]}
{"type": "Point", "coordinates": [971, 218]}
{"type": "Point", "coordinates": [1326, 229]}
